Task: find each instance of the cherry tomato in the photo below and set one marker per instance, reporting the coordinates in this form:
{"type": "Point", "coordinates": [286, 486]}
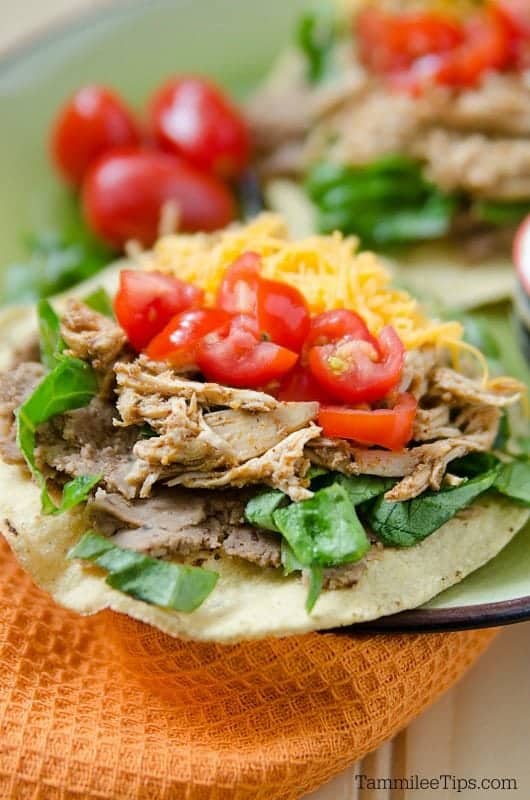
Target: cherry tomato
{"type": "Point", "coordinates": [387, 427]}
{"type": "Point", "coordinates": [282, 313]}
{"type": "Point", "coordinates": [192, 117]}
{"type": "Point", "coordinates": [354, 371]}
{"type": "Point", "coordinates": [125, 192]}
{"type": "Point", "coordinates": [330, 326]}
{"type": "Point", "coordinates": [146, 301]}
{"type": "Point", "coordinates": [94, 121]}
{"type": "Point", "coordinates": [299, 385]}
{"type": "Point", "coordinates": [515, 16]}
{"type": "Point", "coordinates": [486, 46]}
{"type": "Point", "coordinates": [393, 42]}
{"type": "Point", "coordinates": [178, 341]}
{"type": "Point", "coordinates": [237, 356]}
{"type": "Point", "coordinates": [237, 291]}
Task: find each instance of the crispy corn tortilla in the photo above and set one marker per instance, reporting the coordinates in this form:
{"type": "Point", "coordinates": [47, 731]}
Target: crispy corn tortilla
{"type": "Point", "coordinates": [248, 602]}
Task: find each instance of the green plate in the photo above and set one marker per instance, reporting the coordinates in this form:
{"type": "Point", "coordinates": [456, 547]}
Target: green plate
{"type": "Point", "coordinates": [133, 47]}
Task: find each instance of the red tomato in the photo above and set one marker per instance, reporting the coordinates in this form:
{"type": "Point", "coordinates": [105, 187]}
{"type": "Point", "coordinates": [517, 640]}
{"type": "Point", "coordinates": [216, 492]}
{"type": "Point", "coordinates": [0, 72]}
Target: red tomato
{"type": "Point", "coordinates": [282, 313]}
{"type": "Point", "coordinates": [299, 385]}
{"type": "Point", "coordinates": [386, 427]}
{"type": "Point", "coordinates": [125, 192]}
{"type": "Point", "coordinates": [146, 301]}
{"type": "Point", "coordinates": [191, 117]}
{"type": "Point", "coordinates": [237, 290]}
{"type": "Point", "coordinates": [354, 371]}
{"type": "Point", "coordinates": [486, 46]}
{"type": "Point", "coordinates": [178, 341]}
{"type": "Point", "coordinates": [236, 356]}
{"type": "Point", "coordinates": [390, 43]}
{"type": "Point", "coordinates": [515, 15]}
{"type": "Point", "coordinates": [330, 326]}
{"type": "Point", "coordinates": [94, 121]}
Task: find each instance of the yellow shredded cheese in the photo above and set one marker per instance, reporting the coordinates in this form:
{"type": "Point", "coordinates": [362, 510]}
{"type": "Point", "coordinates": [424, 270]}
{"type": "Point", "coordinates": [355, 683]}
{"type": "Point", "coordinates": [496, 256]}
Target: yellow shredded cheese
{"type": "Point", "coordinates": [328, 270]}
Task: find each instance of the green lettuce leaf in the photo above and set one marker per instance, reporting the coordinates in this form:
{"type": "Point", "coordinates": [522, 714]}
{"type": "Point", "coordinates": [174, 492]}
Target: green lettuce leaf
{"type": "Point", "coordinates": [99, 300]}
{"type": "Point", "coordinates": [323, 530]}
{"type": "Point", "coordinates": [260, 510]}
{"type": "Point", "coordinates": [407, 523]}
{"type": "Point", "coordinates": [513, 480]}
{"type": "Point", "coordinates": [316, 579]}
{"type": "Point", "coordinates": [71, 384]}
{"type": "Point", "coordinates": [51, 341]}
{"type": "Point", "coordinates": [160, 583]}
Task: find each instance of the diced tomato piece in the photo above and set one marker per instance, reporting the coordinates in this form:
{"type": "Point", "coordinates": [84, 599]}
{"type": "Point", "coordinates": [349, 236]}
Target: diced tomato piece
{"type": "Point", "coordinates": [237, 291]}
{"type": "Point", "coordinates": [354, 371]}
{"type": "Point", "coordinates": [177, 343]}
{"type": "Point", "coordinates": [300, 385]}
{"type": "Point", "coordinates": [236, 355]}
{"type": "Point", "coordinates": [146, 301]}
{"type": "Point", "coordinates": [386, 427]}
{"type": "Point", "coordinates": [282, 313]}
{"type": "Point", "coordinates": [330, 326]}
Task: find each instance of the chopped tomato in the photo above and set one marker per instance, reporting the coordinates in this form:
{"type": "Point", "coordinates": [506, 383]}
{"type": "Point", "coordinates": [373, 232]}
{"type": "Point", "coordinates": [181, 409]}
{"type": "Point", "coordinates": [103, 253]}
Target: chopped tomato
{"type": "Point", "coordinates": [386, 427]}
{"type": "Point", "coordinates": [125, 192]}
{"type": "Point", "coordinates": [193, 118]}
{"type": "Point", "coordinates": [237, 291]}
{"type": "Point", "coordinates": [179, 340]}
{"type": "Point", "coordinates": [299, 385]}
{"type": "Point", "coordinates": [236, 355]}
{"type": "Point", "coordinates": [392, 42]}
{"type": "Point", "coordinates": [356, 371]}
{"type": "Point", "coordinates": [146, 301]}
{"type": "Point", "coordinates": [330, 326]}
{"type": "Point", "coordinates": [282, 313]}
{"type": "Point", "coordinates": [515, 14]}
{"type": "Point", "coordinates": [93, 121]}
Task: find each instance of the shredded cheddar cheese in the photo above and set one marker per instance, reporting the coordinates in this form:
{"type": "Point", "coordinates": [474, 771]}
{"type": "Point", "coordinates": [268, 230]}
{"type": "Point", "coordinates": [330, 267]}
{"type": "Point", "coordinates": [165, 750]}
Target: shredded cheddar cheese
{"type": "Point", "coordinates": [328, 270]}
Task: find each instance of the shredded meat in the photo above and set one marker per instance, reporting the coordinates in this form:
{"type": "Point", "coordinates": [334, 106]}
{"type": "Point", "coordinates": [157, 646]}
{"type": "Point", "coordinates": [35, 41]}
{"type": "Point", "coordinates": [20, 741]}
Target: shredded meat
{"type": "Point", "coordinates": [451, 384]}
{"type": "Point", "coordinates": [91, 336]}
{"type": "Point", "coordinates": [283, 467]}
{"type": "Point", "coordinates": [15, 386]}
{"type": "Point", "coordinates": [180, 522]}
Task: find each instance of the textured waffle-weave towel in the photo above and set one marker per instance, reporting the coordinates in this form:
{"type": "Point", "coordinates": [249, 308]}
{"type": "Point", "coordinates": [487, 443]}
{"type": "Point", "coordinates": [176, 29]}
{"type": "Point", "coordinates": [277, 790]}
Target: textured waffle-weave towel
{"type": "Point", "coordinates": [108, 708]}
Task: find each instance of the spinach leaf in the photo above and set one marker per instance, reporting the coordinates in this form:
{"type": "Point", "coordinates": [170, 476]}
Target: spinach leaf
{"type": "Point", "coordinates": [70, 385]}
{"type": "Point", "coordinates": [99, 301]}
{"type": "Point", "coordinates": [362, 488]}
{"type": "Point", "coordinates": [323, 530]}
{"type": "Point", "coordinates": [76, 491]}
{"type": "Point", "coordinates": [316, 579]}
{"type": "Point", "coordinates": [51, 341]}
{"type": "Point", "coordinates": [316, 35]}
{"type": "Point", "coordinates": [513, 480]}
{"type": "Point", "coordinates": [260, 509]}
{"type": "Point", "coordinates": [159, 583]}
{"type": "Point", "coordinates": [289, 561]}
{"type": "Point", "coordinates": [407, 523]}
{"type": "Point", "coordinates": [474, 464]}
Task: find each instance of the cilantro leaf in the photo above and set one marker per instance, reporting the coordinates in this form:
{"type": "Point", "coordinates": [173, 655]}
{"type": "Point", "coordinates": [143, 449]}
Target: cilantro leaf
{"type": "Point", "coordinates": [160, 583]}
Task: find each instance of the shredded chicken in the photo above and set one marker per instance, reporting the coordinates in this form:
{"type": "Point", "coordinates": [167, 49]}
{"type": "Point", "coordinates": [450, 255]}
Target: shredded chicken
{"type": "Point", "coordinates": [454, 385]}
{"type": "Point", "coordinates": [283, 467]}
{"type": "Point", "coordinates": [91, 336]}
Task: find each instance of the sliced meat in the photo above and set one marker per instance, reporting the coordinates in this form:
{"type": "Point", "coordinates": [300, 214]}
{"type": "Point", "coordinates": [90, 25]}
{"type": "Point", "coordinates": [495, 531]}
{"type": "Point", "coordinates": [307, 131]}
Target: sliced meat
{"type": "Point", "coordinates": [178, 522]}
{"type": "Point", "coordinates": [91, 336]}
{"type": "Point", "coordinates": [344, 577]}
{"type": "Point", "coordinates": [283, 467]}
{"type": "Point", "coordinates": [15, 386]}
{"type": "Point", "coordinates": [86, 442]}
{"type": "Point", "coordinates": [504, 392]}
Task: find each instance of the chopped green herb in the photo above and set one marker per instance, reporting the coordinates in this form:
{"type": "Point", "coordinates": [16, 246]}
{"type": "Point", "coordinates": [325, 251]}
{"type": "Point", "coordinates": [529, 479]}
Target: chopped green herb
{"type": "Point", "coordinates": [99, 300]}
{"type": "Point", "coordinates": [70, 385]}
{"type": "Point", "coordinates": [160, 583]}
{"type": "Point", "coordinates": [316, 36]}
{"type": "Point", "coordinates": [407, 523]}
{"type": "Point", "coordinates": [51, 341]}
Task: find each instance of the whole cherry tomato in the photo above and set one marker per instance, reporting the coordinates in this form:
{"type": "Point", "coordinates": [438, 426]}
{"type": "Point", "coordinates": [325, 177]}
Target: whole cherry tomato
{"type": "Point", "coordinates": [192, 117]}
{"type": "Point", "coordinates": [387, 427]}
{"type": "Point", "coordinates": [237, 355]}
{"type": "Point", "coordinates": [146, 301]}
{"type": "Point", "coordinates": [354, 371]}
{"type": "Point", "coordinates": [177, 343]}
{"type": "Point", "coordinates": [93, 121]}
{"type": "Point", "coordinates": [125, 192]}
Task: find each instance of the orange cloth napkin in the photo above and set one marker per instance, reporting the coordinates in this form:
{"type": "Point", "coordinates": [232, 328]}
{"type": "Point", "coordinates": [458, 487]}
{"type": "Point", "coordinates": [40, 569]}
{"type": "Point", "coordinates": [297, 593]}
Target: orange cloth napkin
{"type": "Point", "coordinates": [108, 708]}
